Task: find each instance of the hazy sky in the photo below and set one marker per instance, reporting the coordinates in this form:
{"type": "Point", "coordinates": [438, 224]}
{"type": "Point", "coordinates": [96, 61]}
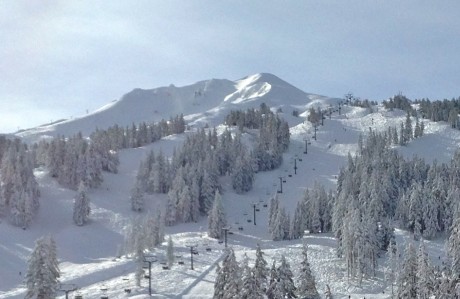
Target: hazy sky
{"type": "Point", "coordinates": [61, 58]}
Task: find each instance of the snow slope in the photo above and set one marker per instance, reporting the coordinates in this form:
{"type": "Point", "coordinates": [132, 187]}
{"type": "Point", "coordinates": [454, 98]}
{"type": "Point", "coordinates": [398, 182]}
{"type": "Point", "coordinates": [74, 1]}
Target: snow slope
{"type": "Point", "coordinates": [88, 254]}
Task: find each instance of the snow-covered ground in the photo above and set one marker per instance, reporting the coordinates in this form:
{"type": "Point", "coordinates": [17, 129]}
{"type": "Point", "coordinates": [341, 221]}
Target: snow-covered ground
{"type": "Point", "coordinates": [89, 254]}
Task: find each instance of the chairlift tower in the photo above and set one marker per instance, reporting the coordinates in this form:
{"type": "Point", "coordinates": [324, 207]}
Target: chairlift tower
{"type": "Point", "coordinates": [192, 252]}
{"type": "Point", "coordinates": [150, 259]}
{"type": "Point", "coordinates": [67, 288]}
{"type": "Point", "coordinates": [225, 229]}
{"type": "Point", "coordinates": [254, 207]}
{"type": "Point", "coordinates": [307, 142]}
{"type": "Point", "coordinates": [282, 180]}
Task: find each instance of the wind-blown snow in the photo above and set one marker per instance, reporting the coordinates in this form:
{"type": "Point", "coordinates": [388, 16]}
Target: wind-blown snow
{"type": "Point", "coordinates": [88, 254]}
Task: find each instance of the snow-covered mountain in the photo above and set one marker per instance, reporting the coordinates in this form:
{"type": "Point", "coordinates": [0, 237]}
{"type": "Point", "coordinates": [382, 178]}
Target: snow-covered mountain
{"type": "Point", "coordinates": [88, 254]}
{"type": "Point", "coordinates": [205, 102]}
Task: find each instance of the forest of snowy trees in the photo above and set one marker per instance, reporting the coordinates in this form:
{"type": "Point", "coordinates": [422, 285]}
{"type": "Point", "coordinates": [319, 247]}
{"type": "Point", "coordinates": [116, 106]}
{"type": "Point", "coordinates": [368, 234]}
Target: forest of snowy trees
{"type": "Point", "coordinates": [240, 280]}
{"type": "Point", "coordinates": [76, 162]}
{"type": "Point", "coordinates": [377, 191]}
{"type": "Point", "coordinates": [19, 192]}
{"type": "Point", "coordinates": [191, 176]}
{"type": "Point", "coordinates": [446, 110]}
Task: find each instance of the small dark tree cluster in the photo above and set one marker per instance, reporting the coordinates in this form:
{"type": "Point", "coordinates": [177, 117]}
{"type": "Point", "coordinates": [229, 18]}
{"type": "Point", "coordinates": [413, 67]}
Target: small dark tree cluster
{"type": "Point", "coordinates": [133, 136]}
{"type": "Point", "coordinates": [401, 102]}
{"type": "Point", "coordinates": [441, 111]}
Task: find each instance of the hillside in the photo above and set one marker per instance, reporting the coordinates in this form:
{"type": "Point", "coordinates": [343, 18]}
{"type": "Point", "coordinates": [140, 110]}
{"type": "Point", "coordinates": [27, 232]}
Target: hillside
{"type": "Point", "coordinates": [88, 254]}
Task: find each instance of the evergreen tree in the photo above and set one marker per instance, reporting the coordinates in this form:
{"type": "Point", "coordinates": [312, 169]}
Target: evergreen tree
{"type": "Point", "coordinates": [453, 246]}
{"type": "Point", "coordinates": [285, 283]}
{"type": "Point", "coordinates": [250, 285]}
{"type": "Point", "coordinates": [261, 270]}
{"type": "Point", "coordinates": [219, 285]}
{"type": "Point", "coordinates": [170, 252]}
{"type": "Point", "coordinates": [307, 285]}
{"type": "Point", "coordinates": [216, 219]}
{"type": "Point", "coordinates": [43, 270]}
{"type": "Point", "coordinates": [81, 207]}
{"type": "Point", "coordinates": [426, 281]}
{"type": "Point", "coordinates": [171, 212]}
{"type": "Point", "coordinates": [137, 197]}
{"type": "Point", "coordinates": [392, 267]}
{"type": "Point", "coordinates": [232, 276]}
{"type": "Point", "coordinates": [408, 135]}
{"type": "Point", "coordinates": [407, 283]}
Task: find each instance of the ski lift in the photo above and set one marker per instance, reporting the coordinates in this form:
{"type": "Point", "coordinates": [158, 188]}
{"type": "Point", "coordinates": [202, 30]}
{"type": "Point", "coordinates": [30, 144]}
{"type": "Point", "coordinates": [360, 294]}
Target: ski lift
{"type": "Point", "coordinates": [127, 289]}
{"type": "Point", "coordinates": [104, 290]}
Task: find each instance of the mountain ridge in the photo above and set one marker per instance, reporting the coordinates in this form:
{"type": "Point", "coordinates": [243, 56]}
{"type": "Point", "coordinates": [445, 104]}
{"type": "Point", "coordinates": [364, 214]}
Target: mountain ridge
{"type": "Point", "coordinates": [199, 102]}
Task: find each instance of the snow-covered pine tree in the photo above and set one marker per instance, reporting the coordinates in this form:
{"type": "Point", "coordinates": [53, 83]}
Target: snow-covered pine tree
{"type": "Point", "coordinates": [219, 285]}
{"type": "Point", "coordinates": [273, 210]}
{"type": "Point", "coordinates": [261, 271]}
{"type": "Point", "coordinates": [81, 207]}
{"type": "Point", "coordinates": [408, 134]}
{"type": "Point", "coordinates": [407, 282]}
{"type": "Point", "coordinates": [43, 270]}
{"type": "Point", "coordinates": [171, 213]}
{"type": "Point", "coordinates": [273, 281]}
{"type": "Point", "coordinates": [285, 285]}
{"type": "Point", "coordinates": [296, 230]}
{"type": "Point", "coordinates": [232, 276]}
{"type": "Point", "coordinates": [453, 245]}
{"type": "Point", "coordinates": [426, 278]}
{"type": "Point", "coordinates": [280, 227]}
{"type": "Point", "coordinates": [137, 197]}
{"type": "Point", "coordinates": [216, 219]}
{"type": "Point", "coordinates": [170, 252]}
{"type": "Point", "coordinates": [242, 173]}
{"type": "Point", "coordinates": [306, 283]}
{"type": "Point", "coordinates": [392, 271]}
{"type": "Point", "coordinates": [250, 287]}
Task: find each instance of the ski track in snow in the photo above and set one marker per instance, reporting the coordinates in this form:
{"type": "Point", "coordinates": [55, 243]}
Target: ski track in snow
{"type": "Point", "coordinates": [88, 254]}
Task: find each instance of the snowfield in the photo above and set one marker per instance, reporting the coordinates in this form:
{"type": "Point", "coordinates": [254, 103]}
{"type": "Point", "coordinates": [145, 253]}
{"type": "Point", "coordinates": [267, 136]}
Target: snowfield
{"type": "Point", "coordinates": [89, 255]}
